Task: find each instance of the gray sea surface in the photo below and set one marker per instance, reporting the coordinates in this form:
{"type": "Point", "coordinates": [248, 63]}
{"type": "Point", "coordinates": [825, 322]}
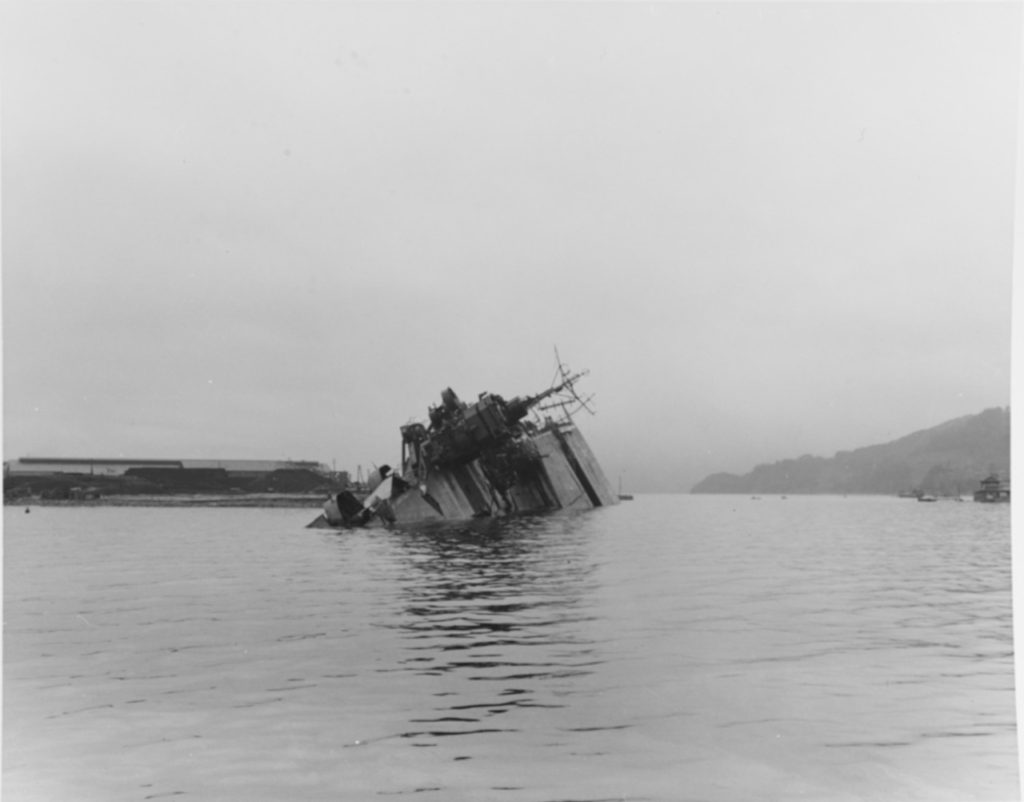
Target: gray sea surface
{"type": "Point", "coordinates": [715, 648]}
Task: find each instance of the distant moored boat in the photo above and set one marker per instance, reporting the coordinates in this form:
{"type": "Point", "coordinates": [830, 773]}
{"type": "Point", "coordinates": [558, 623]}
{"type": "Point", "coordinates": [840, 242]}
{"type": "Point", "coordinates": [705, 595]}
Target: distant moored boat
{"type": "Point", "coordinates": [992, 490]}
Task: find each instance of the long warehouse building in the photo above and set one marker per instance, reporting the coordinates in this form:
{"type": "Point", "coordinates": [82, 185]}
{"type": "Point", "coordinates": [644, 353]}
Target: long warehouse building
{"type": "Point", "coordinates": [117, 467]}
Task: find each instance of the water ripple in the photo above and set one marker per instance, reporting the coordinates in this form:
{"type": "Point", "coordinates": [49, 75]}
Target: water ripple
{"type": "Point", "coordinates": [826, 649]}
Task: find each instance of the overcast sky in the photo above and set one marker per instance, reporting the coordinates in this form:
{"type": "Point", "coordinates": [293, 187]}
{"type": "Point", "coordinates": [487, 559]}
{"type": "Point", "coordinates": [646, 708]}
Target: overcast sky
{"type": "Point", "coordinates": [279, 230]}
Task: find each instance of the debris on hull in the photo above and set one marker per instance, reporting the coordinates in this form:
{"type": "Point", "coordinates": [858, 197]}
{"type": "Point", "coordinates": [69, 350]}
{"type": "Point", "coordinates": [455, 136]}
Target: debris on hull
{"type": "Point", "coordinates": [483, 459]}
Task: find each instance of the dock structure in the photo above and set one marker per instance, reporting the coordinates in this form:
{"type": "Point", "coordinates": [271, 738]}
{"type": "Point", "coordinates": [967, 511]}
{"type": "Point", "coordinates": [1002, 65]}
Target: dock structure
{"type": "Point", "coordinates": [119, 466]}
{"type": "Point", "coordinates": [73, 478]}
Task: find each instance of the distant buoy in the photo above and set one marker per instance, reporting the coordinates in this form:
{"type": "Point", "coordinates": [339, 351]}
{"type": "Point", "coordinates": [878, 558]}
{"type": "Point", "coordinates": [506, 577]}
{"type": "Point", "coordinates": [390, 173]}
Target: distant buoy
{"type": "Point", "coordinates": [27, 510]}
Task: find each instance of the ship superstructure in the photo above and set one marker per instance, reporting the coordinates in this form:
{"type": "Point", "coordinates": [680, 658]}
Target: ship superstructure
{"type": "Point", "coordinates": [491, 457]}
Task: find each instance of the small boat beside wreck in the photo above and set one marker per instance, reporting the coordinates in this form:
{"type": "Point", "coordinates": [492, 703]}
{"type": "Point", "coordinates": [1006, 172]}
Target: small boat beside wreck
{"type": "Point", "coordinates": [492, 457]}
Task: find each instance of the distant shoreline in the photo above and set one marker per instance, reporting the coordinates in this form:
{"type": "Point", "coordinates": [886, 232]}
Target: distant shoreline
{"type": "Point", "coordinates": [183, 500]}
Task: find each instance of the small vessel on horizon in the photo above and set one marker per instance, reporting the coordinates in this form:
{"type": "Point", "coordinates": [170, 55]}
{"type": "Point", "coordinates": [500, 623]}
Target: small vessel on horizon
{"type": "Point", "coordinates": [993, 490]}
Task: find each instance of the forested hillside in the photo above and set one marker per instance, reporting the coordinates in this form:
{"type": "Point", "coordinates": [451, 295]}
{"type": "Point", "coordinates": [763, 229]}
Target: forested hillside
{"type": "Point", "coordinates": [948, 459]}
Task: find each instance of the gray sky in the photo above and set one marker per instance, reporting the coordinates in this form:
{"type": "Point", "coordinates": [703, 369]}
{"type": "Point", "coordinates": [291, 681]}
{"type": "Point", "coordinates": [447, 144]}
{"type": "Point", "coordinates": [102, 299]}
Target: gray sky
{"type": "Point", "coordinates": [280, 229]}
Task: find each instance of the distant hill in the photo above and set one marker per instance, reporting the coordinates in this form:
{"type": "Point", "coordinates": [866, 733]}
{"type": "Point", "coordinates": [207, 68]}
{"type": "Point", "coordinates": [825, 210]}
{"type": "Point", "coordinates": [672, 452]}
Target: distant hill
{"type": "Point", "coordinates": [947, 459]}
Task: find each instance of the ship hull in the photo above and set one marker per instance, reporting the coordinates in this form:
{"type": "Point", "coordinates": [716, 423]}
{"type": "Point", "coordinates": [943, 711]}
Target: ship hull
{"type": "Point", "coordinates": [565, 476]}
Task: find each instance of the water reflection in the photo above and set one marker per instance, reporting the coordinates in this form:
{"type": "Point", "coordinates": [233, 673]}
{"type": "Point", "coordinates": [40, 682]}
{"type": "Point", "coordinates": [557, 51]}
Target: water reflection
{"type": "Point", "coordinates": [495, 614]}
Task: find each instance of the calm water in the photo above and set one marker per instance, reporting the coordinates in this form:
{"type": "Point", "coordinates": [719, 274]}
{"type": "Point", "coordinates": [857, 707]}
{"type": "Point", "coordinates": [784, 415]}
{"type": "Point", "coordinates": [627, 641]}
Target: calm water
{"type": "Point", "coordinates": [671, 648]}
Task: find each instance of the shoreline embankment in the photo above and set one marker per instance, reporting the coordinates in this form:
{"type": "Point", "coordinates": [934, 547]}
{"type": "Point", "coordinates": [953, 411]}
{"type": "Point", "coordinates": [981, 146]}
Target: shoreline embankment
{"type": "Point", "coordinates": [304, 501]}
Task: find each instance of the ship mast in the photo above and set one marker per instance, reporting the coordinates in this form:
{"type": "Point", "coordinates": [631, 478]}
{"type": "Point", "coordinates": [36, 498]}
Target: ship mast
{"type": "Point", "coordinates": [569, 400]}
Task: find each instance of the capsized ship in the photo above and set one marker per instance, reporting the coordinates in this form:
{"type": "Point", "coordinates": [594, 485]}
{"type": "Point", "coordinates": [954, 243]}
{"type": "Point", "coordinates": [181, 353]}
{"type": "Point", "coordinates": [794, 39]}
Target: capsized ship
{"type": "Point", "coordinates": [491, 457]}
